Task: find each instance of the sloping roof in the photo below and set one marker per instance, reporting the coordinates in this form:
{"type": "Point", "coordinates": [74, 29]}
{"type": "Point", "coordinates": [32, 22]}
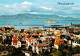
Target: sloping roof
{"type": "Point", "coordinates": [27, 34]}
{"type": "Point", "coordinates": [41, 33]}
{"type": "Point", "coordinates": [15, 38]}
{"type": "Point", "coordinates": [15, 41]}
{"type": "Point", "coordinates": [13, 29]}
{"type": "Point", "coordinates": [24, 31]}
{"type": "Point", "coordinates": [59, 41]}
{"type": "Point", "coordinates": [3, 28]}
{"type": "Point", "coordinates": [35, 34]}
{"type": "Point", "coordinates": [18, 31]}
{"type": "Point", "coordinates": [31, 39]}
{"type": "Point", "coordinates": [3, 31]}
{"type": "Point", "coordinates": [24, 38]}
{"type": "Point", "coordinates": [71, 33]}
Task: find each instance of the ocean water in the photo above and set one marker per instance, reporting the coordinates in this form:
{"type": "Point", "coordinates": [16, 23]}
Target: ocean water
{"type": "Point", "coordinates": [22, 24]}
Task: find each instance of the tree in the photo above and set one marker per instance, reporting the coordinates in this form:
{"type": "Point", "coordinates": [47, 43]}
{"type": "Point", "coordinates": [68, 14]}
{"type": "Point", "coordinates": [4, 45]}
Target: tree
{"type": "Point", "coordinates": [56, 52]}
{"type": "Point", "coordinates": [62, 51]}
{"type": "Point", "coordinates": [76, 50]}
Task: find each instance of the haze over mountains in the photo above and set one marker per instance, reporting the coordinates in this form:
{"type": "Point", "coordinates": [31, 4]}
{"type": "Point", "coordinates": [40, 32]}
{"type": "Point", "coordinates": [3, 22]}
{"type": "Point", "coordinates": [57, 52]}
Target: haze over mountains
{"type": "Point", "coordinates": [35, 17]}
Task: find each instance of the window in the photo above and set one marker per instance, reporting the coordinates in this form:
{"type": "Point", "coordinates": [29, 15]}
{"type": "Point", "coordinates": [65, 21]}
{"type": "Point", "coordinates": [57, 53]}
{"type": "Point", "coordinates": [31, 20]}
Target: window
{"type": "Point", "coordinates": [19, 46]}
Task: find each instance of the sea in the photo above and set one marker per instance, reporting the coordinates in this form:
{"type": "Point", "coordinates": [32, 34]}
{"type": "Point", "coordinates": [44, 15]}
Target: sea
{"type": "Point", "coordinates": [25, 24]}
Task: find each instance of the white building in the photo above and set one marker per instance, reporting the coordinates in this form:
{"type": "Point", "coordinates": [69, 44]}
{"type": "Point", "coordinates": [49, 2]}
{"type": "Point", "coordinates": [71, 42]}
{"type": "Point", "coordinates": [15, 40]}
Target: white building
{"type": "Point", "coordinates": [40, 47]}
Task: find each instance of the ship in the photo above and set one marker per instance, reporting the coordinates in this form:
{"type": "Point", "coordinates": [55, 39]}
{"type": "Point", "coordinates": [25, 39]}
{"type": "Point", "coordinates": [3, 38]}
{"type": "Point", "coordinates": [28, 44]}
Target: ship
{"type": "Point", "coordinates": [51, 21]}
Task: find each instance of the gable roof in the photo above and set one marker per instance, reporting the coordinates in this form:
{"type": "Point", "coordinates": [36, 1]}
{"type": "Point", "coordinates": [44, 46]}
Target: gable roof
{"type": "Point", "coordinates": [3, 31]}
{"type": "Point", "coordinates": [15, 38]}
{"type": "Point", "coordinates": [30, 39]}
{"type": "Point", "coordinates": [24, 38]}
{"type": "Point", "coordinates": [15, 41]}
{"type": "Point", "coordinates": [59, 41]}
{"type": "Point", "coordinates": [41, 44]}
{"type": "Point", "coordinates": [18, 31]}
{"type": "Point", "coordinates": [35, 34]}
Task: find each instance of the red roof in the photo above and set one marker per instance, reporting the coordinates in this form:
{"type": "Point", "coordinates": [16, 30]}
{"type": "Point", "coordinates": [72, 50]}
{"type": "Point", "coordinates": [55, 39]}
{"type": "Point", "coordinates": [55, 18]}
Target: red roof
{"type": "Point", "coordinates": [3, 28]}
{"type": "Point", "coordinates": [24, 38]}
{"type": "Point", "coordinates": [15, 41]}
{"type": "Point", "coordinates": [71, 33]}
{"type": "Point", "coordinates": [35, 34]}
{"type": "Point", "coordinates": [41, 44]}
{"type": "Point", "coordinates": [3, 31]}
{"type": "Point", "coordinates": [0, 28]}
{"type": "Point", "coordinates": [24, 31]}
{"type": "Point", "coordinates": [41, 33]}
{"type": "Point", "coordinates": [59, 41]}
{"type": "Point", "coordinates": [31, 39]}
{"type": "Point", "coordinates": [13, 29]}
{"type": "Point", "coordinates": [27, 34]}
{"type": "Point", "coordinates": [15, 38]}
{"type": "Point", "coordinates": [18, 31]}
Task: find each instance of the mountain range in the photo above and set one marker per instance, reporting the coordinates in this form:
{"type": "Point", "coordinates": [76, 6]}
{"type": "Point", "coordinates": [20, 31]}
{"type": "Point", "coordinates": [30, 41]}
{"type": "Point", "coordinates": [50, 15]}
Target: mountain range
{"type": "Point", "coordinates": [35, 17]}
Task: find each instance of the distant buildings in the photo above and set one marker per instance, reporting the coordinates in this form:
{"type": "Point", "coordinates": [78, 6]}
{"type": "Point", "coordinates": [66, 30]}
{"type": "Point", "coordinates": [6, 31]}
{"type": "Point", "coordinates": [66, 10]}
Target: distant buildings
{"type": "Point", "coordinates": [40, 40]}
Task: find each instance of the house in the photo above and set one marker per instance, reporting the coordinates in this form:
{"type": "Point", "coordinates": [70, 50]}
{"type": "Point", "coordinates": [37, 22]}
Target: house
{"type": "Point", "coordinates": [75, 44]}
{"type": "Point", "coordinates": [42, 39]}
{"type": "Point", "coordinates": [24, 38]}
{"type": "Point", "coordinates": [57, 32]}
{"type": "Point", "coordinates": [31, 41]}
{"type": "Point", "coordinates": [58, 42]}
{"type": "Point", "coordinates": [78, 36]}
{"type": "Point", "coordinates": [36, 35]}
{"type": "Point", "coordinates": [16, 42]}
{"type": "Point", "coordinates": [74, 29]}
{"type": "Point", "coordinates": [18, 31]}
{"type": "Point", "coordinates": [76, 41]}
{"type": "Point", "coordinates": [40, 47]}
{"type": "Point", "coordinates": [3, 29]}
{"type": "Point", "coordinates": [46, 39]}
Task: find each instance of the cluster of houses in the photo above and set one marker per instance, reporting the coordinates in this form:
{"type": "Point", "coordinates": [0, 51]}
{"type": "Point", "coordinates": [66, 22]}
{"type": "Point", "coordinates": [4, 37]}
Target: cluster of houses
{"type": "Point", "coordinates": [40, 40]}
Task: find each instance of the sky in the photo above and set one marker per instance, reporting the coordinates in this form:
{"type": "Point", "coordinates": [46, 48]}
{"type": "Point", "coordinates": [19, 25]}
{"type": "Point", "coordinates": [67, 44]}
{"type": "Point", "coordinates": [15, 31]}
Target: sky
{"type": "Point", "coordinates": [50, 7]}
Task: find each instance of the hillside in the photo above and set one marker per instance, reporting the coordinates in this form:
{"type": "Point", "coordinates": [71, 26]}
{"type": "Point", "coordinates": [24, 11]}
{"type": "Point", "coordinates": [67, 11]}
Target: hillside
{"type": "Point", "coordinates": [35, 17]}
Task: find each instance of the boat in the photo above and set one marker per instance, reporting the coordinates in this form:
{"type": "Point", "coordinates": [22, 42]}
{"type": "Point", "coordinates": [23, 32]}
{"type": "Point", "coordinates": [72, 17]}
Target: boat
{"type": "Point", "coordinates": [51, 22]}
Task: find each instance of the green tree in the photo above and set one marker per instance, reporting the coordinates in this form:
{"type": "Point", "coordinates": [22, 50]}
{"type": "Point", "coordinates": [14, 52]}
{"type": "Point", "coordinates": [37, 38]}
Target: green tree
{"type": "Point", "coordinates": [56, 52]}
{"type": "Point", "coordinates": [76, 50]}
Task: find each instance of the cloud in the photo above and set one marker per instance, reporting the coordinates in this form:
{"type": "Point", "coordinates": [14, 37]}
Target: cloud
{"type": "Point", "coordinates": [46, 8]}
{"type": "Point", "coordinates": [34, 13]}
{"type": "Point", "coordinates": [50, 9]}
{"type": "Point", "coordinates": [26, 3]}
{"type": "Point", "coordinates": [14, 9]}
{"type": "Point", "coordinates": [7, 6]}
